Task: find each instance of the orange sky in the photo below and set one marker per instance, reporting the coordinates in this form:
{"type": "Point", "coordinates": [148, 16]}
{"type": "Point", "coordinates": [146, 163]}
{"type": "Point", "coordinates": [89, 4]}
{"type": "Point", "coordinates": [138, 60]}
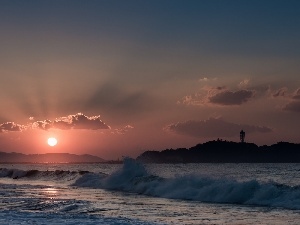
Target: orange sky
{"type": "Point", "coordinates": [160, 74]}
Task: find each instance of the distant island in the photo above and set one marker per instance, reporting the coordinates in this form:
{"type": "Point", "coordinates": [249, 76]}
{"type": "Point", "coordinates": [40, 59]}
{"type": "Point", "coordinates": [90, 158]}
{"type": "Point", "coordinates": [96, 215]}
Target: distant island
{"type": "Point", "coordinates": [226, 152]}
{"type": "Point", "coordinates": [48, 158]}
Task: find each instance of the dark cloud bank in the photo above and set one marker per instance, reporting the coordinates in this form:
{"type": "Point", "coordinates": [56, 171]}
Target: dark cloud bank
{"type": "Point", "coordinates": [220, 96]}
{"type": "Point", "coordinates": [212, 128]}
{"type": "Point", "coordinates": [293, 104]}
{"type": "Point", "coordinates": [231, 97]}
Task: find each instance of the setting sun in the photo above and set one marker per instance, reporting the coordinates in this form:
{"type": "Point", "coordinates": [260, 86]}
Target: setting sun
{"type": "Point", "coordinates": [52, 141]}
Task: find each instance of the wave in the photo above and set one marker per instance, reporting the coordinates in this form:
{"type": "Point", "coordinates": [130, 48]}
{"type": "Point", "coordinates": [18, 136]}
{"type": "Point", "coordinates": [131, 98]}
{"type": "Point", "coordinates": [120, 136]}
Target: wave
{"type": "Point", "coordinates": [133, 177]}
{"type": "Point", "coordinates": [37, 174]}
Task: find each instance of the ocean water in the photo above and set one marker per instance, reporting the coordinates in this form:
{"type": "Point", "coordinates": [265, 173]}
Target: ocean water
{"type": "Point", "coordinates": [133, 193]}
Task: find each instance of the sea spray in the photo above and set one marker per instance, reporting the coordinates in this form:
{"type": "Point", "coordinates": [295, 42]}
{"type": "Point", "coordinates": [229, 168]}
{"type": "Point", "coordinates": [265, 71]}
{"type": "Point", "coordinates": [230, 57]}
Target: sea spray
{"type": "Point", "coordinates": [133, 177]}
{"type": "Point", "coordinates": [40, 175]}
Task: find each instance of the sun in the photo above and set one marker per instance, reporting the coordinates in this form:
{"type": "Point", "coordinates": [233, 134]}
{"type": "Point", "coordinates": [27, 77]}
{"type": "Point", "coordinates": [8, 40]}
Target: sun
{"type": "Point", "coordinates": [52, 141]}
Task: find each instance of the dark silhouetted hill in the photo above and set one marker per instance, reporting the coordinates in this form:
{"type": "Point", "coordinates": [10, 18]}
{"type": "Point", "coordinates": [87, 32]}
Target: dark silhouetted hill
{"type": "Point", "coordinates": [226, 152]}
{"type": "Point", "coordinates": [48, 158]}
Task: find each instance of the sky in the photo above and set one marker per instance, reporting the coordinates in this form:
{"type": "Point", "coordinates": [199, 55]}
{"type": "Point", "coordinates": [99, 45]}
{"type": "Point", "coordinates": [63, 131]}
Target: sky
{"type": "Point", "coordinates": [117, 78]}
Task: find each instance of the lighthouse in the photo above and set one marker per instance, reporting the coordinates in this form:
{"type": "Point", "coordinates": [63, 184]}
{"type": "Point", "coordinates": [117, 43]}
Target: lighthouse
{"type": "Point", "coordinates": [242, 136]}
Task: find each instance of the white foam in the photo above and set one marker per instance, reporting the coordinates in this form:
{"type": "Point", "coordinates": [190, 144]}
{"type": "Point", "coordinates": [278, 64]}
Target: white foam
{"type": "Point", "coordinates": [42, 175]}
{"type": "Point", "coordinates": [133, 177]}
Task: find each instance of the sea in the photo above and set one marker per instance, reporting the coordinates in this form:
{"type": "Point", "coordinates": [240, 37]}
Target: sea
{"type": "Point", "coordinates": [135, 193]}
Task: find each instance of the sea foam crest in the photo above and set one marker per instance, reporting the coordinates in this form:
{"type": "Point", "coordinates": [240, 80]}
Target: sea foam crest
{"type": "Point", "coordinates": [133, 177]}
{"type": "Point", "coordinates": [36, 174]}
{"type": "Point", "coordinates": [122, 179]}
{"type": "Point", "coordinates": [13, 173]}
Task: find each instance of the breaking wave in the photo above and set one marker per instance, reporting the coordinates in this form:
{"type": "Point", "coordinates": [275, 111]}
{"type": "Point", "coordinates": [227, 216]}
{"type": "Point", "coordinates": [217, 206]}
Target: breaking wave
{"type": "Point", "coordinates": [133, 177]}
{"type": "Point", "coordinates": [36, 174]}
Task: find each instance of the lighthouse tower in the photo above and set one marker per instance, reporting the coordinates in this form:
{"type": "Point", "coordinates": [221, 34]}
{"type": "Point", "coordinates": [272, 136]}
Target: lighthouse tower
{"type": "Point", "coordinates": [242, 136]}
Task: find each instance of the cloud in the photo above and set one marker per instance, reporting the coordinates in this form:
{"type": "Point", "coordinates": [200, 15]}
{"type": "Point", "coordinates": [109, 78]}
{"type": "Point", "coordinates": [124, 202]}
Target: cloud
{"type": "Point", "coordinates": [231, 97]}
{"type": "Point", "coordinates": [44, 125]}
{"type": "Point", "coordinates": [282, 92]}
{"type": "Point", "coordinates": [11, 126]}
{"type": "Point", "coordinates": [227, 96]}
{"type": "Point", "coordinates": [213, 127]}
{"type": "Point", "coordinates": [205, 79]}
{"type": "Point", "coordinates": [293, 106]}
{"type": "Point", "coordinates": [244, 83]}
{"type": "Point", "coordinates": [80, 121]}
{"type": "Point", "coordinates": [219, 96]}
{"type": "Point", "coordinates": [296, 94]}
{"type": "Point", "coordinates": [123, 130]}
{"type": "Point", "coordinates": [76, 121]}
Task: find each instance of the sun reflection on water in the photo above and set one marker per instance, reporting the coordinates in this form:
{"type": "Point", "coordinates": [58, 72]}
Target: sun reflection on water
{"type": "Point", "coordinates": [50, 192]}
